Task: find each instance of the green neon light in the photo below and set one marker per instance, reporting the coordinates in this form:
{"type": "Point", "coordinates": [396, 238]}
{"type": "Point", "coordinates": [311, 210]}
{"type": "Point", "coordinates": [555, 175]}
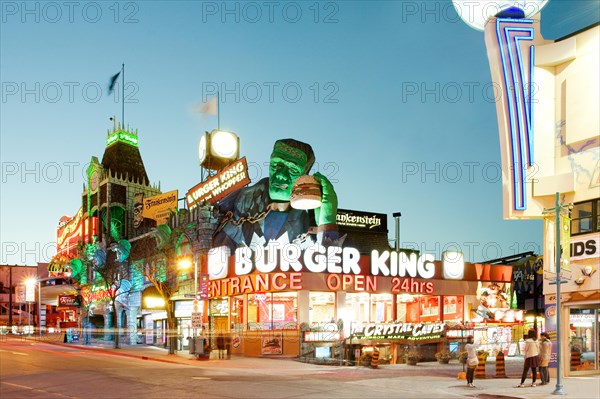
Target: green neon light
{"type": "Point", "coordinates": [112, 138]}
{"type": "Point", "coordinates": [122, 137]}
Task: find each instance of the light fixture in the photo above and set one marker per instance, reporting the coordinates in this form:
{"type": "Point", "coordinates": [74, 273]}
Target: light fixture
{"type": "Point", "coordinates": [154, 303]}
{"type": "Point", "coordinates": [306, 193]}
{"type": "Point", "coordinates": [453, 265]}
{"type": "Point", "coordinates": [588, 270]}
{"type": "Point", "coordinates": [218, 149]}
{"type": "Point", "coordinates": [184, 264]}
{"type": "Point", "coordinates": [218, 262]}
{"type": "Point", "coordinates": [476, 13]}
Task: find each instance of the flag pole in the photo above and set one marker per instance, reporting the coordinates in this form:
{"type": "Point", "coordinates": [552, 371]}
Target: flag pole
{"type": "Point", "coordinates": [123, 96]}
{"type": "Point", "coordinates": [218, 112]}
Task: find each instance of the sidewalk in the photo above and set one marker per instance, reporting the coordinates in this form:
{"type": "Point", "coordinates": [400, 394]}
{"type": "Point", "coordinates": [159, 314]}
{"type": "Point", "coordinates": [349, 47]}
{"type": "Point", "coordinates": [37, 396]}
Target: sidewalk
{"type": "Point", "coordinates": [420, 378]}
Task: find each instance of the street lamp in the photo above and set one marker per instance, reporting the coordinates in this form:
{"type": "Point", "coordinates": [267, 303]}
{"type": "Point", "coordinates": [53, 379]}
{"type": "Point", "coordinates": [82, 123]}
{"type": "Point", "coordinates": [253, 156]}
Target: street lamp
{"type": "Point", "coordinates": [186, 264]}
{"type": "Point", "coordinates": [397, 216]}
{"type": "Point", "coordinates": [30, 284]}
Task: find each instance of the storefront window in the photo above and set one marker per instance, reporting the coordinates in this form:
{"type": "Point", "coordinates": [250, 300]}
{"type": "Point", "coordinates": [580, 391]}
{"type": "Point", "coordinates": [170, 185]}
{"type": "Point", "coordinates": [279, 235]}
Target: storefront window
{"type": "Point", "coordinates": [272, 311]}
{"type": "Point", "coordinates": [237, 313]}
{"type": "Point", "coordinates": [322, 307]}
{"type": "Point", "coordinates": [420, 308]}
{"type": "Point", "coordinates": [453, 309]}
{"type": "Point", "coordinates": [381, 307]}
{"type": "Point", "coordinates": [284, 310]}
{"type": "Point", "coordinates": [583, 324]}
{"type": "Point", "coordinates": [430, 309]}
{"type": "Point", "coordinates": [357, 307]}
{"type": "Point", "coordinates": [402, 303]}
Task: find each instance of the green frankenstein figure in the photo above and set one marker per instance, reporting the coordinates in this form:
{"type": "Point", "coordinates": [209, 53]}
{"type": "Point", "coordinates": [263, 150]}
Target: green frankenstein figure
{"type": "Point", "coordinates": [262, 212]}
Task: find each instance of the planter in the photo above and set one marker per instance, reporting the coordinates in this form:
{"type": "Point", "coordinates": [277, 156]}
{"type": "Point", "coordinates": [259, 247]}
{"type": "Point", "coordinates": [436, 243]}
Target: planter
{"type": "Point", "coordinates": [411, 362]}
{"type": "Point", "coordinates": [443, 361]}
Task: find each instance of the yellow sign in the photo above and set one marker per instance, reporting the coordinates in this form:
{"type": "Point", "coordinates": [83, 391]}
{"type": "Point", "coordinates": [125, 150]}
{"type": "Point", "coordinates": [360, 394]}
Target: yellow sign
{"type": "Point", "coordinates": [159, 206]}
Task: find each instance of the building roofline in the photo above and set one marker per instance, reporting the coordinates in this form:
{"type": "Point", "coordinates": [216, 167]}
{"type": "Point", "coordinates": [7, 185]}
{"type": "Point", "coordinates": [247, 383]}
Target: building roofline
{"type": "Point", "coordinates": [578, 31]}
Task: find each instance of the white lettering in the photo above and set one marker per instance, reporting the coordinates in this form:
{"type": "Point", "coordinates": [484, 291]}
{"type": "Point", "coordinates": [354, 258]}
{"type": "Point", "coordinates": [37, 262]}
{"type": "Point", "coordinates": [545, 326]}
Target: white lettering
{"type": "Point", "coordinates": [425, 266]}
{"type": "Point", "coordinates": [243, 261]}
{"type": "Point", "coordinates": [315, 259]}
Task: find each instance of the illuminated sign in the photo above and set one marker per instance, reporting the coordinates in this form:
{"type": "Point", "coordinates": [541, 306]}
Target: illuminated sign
{"type": "Point", "coordinates": [355, 220]}
{"type": "Point", "coordinates": [124, 137]}
{"type": "Point", "coordinates": [159, 206]}
{"type": "Point", "coordinates": [322, 336]}
{"type": "Point", "coordinates": [67, 228]}
{"type": "Point", "coordinates": [256, 282]}
{"type": "Point", "coordinates": [517, 68]}
{"type": "Point", "coordinates": [68, 300]}
{"type": "Point", "coordinates": [459, 333]}
{"type": "Point", "coordinates": [585, 247]}
{"type": "Point", "coordinates": [318, 259]}
{"type": "Point", "coordinates": [346, 282]}
{"type": "Point", "coordinates": [72, 230]}
{"type": "Point", "coordinates": [219, 307]}
{"type": "Point", "coordinates": [410, 331]}
{"type": "Point", "coordinates": [228, 180]}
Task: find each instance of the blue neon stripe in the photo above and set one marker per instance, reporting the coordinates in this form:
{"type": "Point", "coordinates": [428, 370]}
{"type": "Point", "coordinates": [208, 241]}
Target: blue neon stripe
{"type": "Point", "coordinates": [531, 82]}
{"type": "Point", "coordinates": [510, 118]}
{"type": "Point", "coordinates": [523, 136]}
{"type": "Point", "coordinates": [516, 92]}
{"type": "Point", "coordinates": [526, 99]}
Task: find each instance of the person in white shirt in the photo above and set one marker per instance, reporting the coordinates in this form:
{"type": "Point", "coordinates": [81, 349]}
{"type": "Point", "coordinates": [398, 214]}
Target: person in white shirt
{"type": "Point", "coordinates": [472, 360]}
{"type": "Point", "coordinates": [531, 359]}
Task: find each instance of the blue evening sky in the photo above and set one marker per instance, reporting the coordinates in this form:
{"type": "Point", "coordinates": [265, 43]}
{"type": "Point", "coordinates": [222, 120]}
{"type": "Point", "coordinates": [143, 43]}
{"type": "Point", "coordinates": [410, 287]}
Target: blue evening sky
{"type": "Point", "coordinates": [394, 97]}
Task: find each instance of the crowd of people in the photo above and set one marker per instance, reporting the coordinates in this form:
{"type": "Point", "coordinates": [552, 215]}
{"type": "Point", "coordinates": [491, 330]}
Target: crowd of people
{"type": "Point", "coordinates": [536, 355]}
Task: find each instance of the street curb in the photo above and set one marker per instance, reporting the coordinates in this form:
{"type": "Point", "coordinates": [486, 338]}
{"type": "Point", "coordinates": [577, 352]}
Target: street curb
{"type": "Point", "coordinates": [113, 351]}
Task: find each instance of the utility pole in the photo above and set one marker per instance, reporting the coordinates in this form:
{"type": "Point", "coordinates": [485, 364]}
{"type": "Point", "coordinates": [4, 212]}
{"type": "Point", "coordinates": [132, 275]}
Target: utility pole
{"type": "Point", "coordinates": [558, 281]}
{"type": "Point", "coordinates": [10, 296]}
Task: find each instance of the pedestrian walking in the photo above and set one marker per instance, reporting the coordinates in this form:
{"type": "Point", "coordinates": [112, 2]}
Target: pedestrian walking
{"type": "Point", "coordinates": [472, 360]}
{"type": "Point", "coordinates": [531, 359]}
{"type": "Point", "coordinates": [545, 353]}
{"type": "Point", "coordinates": [220, 344]}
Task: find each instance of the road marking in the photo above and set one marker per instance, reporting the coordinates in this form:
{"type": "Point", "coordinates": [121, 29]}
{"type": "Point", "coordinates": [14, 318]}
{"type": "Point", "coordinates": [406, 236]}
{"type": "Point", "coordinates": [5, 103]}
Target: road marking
{"type": "Point", "coordinates": [38, 390]}
{"type": "Point", "coordinates": [15, 353]}
{"type": "Point", "coordinates": [200, 378]}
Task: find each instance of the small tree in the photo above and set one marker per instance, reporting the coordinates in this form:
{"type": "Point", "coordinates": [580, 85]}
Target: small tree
{"type": "Point", "coordinates": [162, 271]}
{"type": "Point", "coordinates": [113, 269]}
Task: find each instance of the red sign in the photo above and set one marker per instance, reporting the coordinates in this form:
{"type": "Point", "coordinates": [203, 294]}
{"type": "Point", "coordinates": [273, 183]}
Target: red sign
{"type": "Point", "coordinates": [67, 300]}
{"type": "Point", "coordinates": [228, 180]}
{"type": "Point", "coordinates": [71, 231]}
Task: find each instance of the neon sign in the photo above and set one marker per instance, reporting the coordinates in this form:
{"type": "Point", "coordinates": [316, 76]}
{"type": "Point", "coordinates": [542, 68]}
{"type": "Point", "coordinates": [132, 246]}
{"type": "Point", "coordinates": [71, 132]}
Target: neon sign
{"type": "Point", "coordinates": [123, 137]}
{"type": "Point", "coordinates": [333, 260]}
{"type": "Point", "coordinates": [411, 331]}
{"type": "Point", "coordinates": [518, 85]}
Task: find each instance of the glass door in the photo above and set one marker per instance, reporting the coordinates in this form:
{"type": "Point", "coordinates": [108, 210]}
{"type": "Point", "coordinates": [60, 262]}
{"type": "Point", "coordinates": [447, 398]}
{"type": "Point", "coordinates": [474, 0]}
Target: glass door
{"type": "Point", "coordinates": [584, 337]}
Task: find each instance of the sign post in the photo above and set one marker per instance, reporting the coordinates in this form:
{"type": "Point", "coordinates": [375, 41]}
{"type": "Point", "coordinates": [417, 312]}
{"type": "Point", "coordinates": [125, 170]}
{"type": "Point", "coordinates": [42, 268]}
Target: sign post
{"type": "Point", "coordinates": [196, 320]}
{"type": "Point", "coordinates": [558, 281]}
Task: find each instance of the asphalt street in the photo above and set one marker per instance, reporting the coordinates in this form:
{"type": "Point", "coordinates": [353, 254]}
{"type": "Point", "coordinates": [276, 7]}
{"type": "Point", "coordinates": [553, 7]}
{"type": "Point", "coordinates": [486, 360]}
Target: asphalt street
{"type": "Point", "coordinates": [30, 368]}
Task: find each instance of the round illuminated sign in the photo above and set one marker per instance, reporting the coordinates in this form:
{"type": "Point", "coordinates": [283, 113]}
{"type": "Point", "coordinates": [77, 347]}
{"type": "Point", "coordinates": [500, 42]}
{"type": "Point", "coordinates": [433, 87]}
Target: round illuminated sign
{"type": "Point", "coordinates": [476, 13]}
{"type": "Point", "coordinates": [223, 144]}
{"type": "Point", "coordinates": [202, 150]}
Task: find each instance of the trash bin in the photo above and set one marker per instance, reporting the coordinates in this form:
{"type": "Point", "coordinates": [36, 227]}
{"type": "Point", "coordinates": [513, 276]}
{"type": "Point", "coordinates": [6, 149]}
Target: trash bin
{"type": "Point", "coordinates": [192, 346]}
{"type": "Point", "coordinates": [199, 345]}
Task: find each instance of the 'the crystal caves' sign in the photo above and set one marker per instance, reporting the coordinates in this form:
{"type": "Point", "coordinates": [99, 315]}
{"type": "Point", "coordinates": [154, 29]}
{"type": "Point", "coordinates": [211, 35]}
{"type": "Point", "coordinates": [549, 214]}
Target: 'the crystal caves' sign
{"type": "Point", "coordinates": [410, 331]}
